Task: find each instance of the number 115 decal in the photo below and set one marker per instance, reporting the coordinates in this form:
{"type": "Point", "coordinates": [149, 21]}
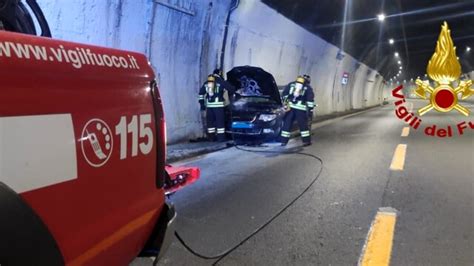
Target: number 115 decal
{"type": "Point", "coordinates": [138, 127]}
{"type": "Point", "coordinates": [97, 140]}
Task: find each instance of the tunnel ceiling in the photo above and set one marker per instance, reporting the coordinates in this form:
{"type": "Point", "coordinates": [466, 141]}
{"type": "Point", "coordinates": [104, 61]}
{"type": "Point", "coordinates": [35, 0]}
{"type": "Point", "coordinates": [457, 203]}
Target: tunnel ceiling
{"type": "Point", "coordinates": [414, 26]}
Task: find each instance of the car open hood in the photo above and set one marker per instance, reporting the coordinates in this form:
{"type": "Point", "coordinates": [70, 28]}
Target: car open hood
{"type": "Point", "coordinates": [254, 81]}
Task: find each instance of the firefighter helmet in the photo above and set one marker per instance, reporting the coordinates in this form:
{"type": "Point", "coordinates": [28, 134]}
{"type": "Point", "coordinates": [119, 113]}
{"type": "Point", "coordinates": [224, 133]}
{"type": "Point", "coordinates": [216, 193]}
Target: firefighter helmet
{"type": "Point", "coordinates": [300, 79]}
{"type": "Point", "coordinates": [211, 78]}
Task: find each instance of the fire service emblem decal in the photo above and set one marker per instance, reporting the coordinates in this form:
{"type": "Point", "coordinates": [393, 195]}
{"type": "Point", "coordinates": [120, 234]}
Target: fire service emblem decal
{"type": "Point", "coordinates": [444, 68]}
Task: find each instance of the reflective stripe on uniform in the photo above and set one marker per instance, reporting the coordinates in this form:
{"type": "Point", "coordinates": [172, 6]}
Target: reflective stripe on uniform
{"type": "Point", "coordinates": [298, 106]}
{"type": "Point", "coordinates": [305, 133]}
{"type": "Point", "coordinates": [211, 130]}
{"type": "Point", "coordinates": [220, 130]}
{"type": "Point", "coordinates": [214, 104]}
{"type": "Point", "coordinates": [285, 134]}
{"type": "Point", "coordinates": [310, 104]}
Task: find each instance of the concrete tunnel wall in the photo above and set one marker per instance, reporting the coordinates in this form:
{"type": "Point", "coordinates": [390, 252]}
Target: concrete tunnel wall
{"type": "Point", "coordinates": [183, 38]}
{"type": "Point", "coordinates": [286, 50]}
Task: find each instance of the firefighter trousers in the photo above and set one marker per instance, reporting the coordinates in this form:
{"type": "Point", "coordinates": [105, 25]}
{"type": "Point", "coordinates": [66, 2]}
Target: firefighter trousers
{"type": "Point", "coordinates": [216, 123]}
{"type": "Point", "coordinates": [302, 118]}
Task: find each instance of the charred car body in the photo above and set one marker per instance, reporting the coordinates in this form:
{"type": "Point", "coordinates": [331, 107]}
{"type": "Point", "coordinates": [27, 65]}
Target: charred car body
{"type": "Point", "coordinates": [256, 114]}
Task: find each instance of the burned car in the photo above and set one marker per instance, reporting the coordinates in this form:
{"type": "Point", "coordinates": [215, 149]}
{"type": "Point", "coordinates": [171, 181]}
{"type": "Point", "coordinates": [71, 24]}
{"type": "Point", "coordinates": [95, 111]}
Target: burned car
{"type": "Point", "coordinates": [256, 114]}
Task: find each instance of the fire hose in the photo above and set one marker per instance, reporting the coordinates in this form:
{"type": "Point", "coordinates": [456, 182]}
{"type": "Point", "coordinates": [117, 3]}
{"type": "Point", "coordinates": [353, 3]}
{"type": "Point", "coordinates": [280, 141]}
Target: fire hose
{"type": "Point", "coordinates": [223, 254]}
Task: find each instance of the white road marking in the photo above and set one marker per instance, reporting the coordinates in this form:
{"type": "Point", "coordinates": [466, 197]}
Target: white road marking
{"type": "Point", "coordinates": [37, 151]}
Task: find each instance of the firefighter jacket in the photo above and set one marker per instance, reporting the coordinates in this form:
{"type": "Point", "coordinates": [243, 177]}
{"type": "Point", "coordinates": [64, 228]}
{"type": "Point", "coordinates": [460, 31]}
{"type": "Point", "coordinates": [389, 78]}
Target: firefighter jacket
{"type": "Point", "coordinates": [214, 97]}
{"type": "Point", "coordinates": [303, 100]}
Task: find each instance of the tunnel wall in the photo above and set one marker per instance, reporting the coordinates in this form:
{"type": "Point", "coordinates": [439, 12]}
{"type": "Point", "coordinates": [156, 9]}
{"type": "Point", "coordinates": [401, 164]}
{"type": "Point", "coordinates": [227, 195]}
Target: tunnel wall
{"type": "Point", "coordinates": [120, 24]}
{"type": "Point", "coordinates": [183, 38]}
{"type": "Point", "coordinates": [286, 50]}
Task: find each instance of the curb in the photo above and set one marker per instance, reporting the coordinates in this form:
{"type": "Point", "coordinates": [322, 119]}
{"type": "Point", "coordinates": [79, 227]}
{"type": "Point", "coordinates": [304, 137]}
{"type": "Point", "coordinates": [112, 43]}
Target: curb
{"type": "Point", "coordinates": [225, 145]}
{"type": "Point", "coordinates": [196, 152]}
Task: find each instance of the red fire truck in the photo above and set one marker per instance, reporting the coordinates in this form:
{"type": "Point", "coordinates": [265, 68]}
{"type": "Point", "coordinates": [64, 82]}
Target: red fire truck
{"type": "Point", "coordinates": [82, 152]}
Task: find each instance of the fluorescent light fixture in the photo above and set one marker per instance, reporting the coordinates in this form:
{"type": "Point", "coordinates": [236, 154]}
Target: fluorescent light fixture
{"type": "Point", "coordinates": [381, 17]}
{"type": "Point", "coordinates": [397, 54]}
{"type": "Point", "coordinates": [391, 41]}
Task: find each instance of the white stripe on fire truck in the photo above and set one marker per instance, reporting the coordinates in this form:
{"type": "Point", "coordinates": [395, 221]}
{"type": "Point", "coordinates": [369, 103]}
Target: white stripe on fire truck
{"type": "Point", "coordinates": [37, 151]}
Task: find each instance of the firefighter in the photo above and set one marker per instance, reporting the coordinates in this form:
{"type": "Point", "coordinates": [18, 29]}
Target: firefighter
{"type": "Point", "coordinates": [299, 100]}
{"type": "Point", "coordinates": [310, 110]}
{"type": "Point", "coordinates": [211, 99]}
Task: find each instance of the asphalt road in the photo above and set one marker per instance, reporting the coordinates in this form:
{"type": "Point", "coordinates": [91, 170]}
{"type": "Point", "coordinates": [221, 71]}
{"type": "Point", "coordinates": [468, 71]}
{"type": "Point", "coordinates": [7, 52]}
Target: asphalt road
{"type": "Point", "coordinates": [432, 195]}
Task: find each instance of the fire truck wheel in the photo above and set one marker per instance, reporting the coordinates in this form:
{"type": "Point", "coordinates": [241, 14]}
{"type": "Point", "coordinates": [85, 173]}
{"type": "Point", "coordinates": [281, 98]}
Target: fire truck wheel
{"type": "Point", "coordinates": [25, 238]}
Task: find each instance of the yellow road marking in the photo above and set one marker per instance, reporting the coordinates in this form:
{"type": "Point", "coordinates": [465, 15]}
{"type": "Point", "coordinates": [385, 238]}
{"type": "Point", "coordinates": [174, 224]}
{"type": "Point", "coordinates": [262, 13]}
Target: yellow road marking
{"type": "Point", "coordinates": [398, 161]}
{"type": "Point", "coordinates": [378, 248]}
{"type": "Point", "coordinates": [406, 131]}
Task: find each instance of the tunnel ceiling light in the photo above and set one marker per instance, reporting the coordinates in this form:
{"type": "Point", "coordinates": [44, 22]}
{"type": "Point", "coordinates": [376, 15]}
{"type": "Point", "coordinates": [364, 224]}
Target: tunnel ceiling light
{"type": "Point", "coordinates": [468, 49]}
{"type": "Point", "coordinates": [391, 41]}
{"type": "Point", "coordinates": [399, 62]}
{"type": "Point", "coordinates": [381, 17]}
{"type": "Point", "coordinates": [401, 67]}
{"type": "Point", "coordinates": [397, 54]}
